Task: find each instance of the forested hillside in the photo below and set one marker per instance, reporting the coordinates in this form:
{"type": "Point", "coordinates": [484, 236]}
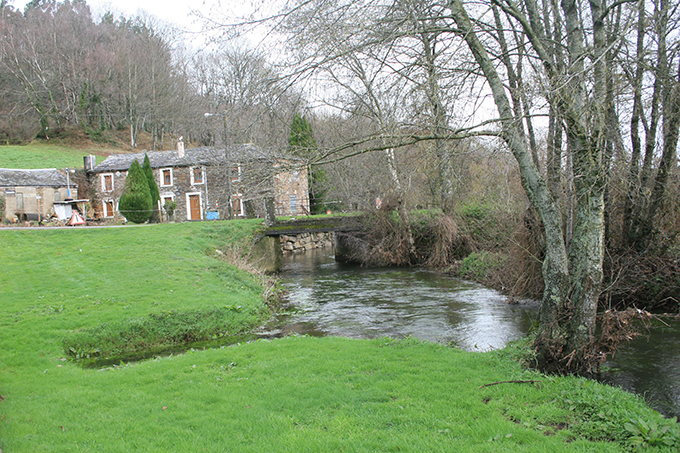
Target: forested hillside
{"type": "Point", "coordinates": [61, 68]}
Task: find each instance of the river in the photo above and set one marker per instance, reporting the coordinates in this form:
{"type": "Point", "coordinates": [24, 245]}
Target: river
{"type": "Point", "coordinates": [330, 298]}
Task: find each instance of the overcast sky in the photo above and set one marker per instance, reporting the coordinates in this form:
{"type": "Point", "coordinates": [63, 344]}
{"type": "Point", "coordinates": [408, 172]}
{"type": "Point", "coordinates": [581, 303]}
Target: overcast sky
{"type": "Point", "coordinates": [177, 12]}
{"type": "Point", "coordinates": [174, 11]}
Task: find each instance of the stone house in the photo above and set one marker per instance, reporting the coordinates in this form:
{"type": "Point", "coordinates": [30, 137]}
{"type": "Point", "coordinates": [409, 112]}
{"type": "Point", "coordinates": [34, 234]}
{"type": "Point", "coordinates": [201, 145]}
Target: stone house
{"type": "Point", "coordinates": [199, 180]}
{"type": "Point", "coordinates": [30, 194]}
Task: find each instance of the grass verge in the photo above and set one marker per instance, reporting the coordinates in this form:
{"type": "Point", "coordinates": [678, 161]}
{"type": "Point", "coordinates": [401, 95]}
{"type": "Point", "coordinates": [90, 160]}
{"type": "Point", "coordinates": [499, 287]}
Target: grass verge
{"type": "Point", "coordinates": [295, 394]}
{"type": "Point", "coordinates": [44, 155]}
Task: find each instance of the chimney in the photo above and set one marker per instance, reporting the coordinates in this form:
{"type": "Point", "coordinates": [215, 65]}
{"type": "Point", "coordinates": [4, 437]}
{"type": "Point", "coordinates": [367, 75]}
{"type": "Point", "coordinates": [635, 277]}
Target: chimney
{"type": "Point", "coordinates": [180, 147]}
{"type": "Point", "coordinates": [90, 162]}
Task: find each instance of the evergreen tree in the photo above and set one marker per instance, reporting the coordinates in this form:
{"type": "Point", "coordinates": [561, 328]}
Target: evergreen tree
{"type": "Point", "coordinates": [153, 188]}
{"type": "Point", "coordinates": [301, 140]}
{"type": "Point", "coordinates": [135, 202]}
{"type": "Point", "coordinates": [301, 143]}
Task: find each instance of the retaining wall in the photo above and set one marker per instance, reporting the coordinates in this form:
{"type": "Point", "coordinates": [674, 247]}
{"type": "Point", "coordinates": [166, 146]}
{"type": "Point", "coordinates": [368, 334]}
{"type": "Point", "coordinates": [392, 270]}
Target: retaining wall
{"type": "Point", "coordinates": [294, 243]}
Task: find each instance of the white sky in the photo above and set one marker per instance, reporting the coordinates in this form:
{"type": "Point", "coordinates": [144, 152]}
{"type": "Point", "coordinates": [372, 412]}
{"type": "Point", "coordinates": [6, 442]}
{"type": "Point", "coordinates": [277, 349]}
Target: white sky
{"type": "Point", "coordinates": [170, 11]}
{"type": "Point", "coordinates": [181, 13]}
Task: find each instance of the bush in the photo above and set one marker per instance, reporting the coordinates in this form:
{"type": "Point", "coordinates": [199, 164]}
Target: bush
{"type": "Point", "coordinates": [477, 211]}
{"type": "Point", "coordinates": [153, 188]}
{"type": "Point", "coordinates": [479, 265]}
{"type": "Point", "coordinates": [170, 207]}
{"type": "Point", "coordinates": [136, 202]}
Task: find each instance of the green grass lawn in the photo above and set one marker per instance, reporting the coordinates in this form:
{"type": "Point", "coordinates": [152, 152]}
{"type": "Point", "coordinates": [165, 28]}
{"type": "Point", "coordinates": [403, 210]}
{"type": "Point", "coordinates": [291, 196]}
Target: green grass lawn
{"type": "Point", "coordinates": [295, 394]}
{"type": "Point", "coordinates": [43, 155]}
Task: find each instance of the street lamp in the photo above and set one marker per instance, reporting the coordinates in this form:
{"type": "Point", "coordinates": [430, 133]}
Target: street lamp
{"type": "Point", "coordinates": [68, 182]}
{"type": "Point", "coordinates": [227, 158]}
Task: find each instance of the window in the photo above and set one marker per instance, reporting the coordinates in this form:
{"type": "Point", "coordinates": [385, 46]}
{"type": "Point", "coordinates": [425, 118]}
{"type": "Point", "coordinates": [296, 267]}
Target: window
{"type": "Point", "coordinates": [293, 204]}
{"type": "Point", "coordinates": [166, 177]}
{"type": "Point", "coordinates": [57, 195]}
{"type": "Point", "coordinates": [109, 208]}
{"type": "Point", "coordinates": [107, 182]}
{"type": "Point", "coordinates": [236, 173]}
{"type": "Point", "coordinates": [20, 201]}
{"type": "Point", "coordinates": [196, 175]}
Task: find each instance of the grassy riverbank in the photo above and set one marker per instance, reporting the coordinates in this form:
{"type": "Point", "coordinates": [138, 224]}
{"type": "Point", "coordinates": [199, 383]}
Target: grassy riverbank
{"type": "Point", "coordinates": [293, 394]}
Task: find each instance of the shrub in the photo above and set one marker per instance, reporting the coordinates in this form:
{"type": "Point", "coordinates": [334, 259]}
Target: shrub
{"type": "Point", "coordinates": [135, 202]}
{"type": "Point", "coordinates": [478, 265]}
{"type": "Point", "coordinates": [475, 210]}
{"type": "Point", "coordinates": [170, 207]}
{"type": "Point", "coordinates": [153, 187]}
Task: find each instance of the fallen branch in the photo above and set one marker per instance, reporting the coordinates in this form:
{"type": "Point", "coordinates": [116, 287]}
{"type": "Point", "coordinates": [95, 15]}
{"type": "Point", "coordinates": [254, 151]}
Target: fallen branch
{"type": "Point", "coordinates": [508, 382]}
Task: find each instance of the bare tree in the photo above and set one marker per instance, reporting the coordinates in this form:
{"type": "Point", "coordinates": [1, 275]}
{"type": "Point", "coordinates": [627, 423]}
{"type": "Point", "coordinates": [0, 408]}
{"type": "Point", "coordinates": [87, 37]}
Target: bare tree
{"type": "Point", "coordinates": [240, 84]}
{"type": "Point", "coordinates": [74, 72]}
{"type": "Point", "coordinates": [646, 192]}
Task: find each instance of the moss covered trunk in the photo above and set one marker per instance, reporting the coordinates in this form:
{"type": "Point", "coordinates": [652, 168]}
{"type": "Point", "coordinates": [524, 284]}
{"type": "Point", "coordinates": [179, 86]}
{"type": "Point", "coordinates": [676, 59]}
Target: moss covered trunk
{"type": "Point", "coordinates": [572, 271]}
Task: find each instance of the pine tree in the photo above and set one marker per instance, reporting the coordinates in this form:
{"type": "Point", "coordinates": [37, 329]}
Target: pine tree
{"type": "Point", "coordinates": [153, 188]}
{"type": "Point", "coordinates": [135, 202]}
{"type": "Point", "coordinates": [301, 140]}
{"type": "Point", "coordinates": [301, 143]}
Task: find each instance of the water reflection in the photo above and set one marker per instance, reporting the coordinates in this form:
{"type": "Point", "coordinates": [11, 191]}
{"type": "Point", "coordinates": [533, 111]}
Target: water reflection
{"type": "Point", "coordinates": [331, 298]}
{"type": "Point", "coordinates": [650, 366]}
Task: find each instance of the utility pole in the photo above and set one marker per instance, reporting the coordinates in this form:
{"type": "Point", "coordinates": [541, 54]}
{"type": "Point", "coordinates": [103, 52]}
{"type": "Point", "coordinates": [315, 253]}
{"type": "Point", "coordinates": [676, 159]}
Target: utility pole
{"type": "Point", "coordinates": [228, 163]}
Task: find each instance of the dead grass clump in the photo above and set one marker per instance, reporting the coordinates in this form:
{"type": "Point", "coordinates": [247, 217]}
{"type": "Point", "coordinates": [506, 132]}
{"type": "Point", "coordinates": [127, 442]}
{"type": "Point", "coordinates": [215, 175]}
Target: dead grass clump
{"type": "Point", "coordinates": [649, 280]}
{"type": "Point", "coordinates": [448, 243]}
{"type": "Point", "coordinates": [616, 328]}
{"type": "Point", "coordinates": [387, 240]}
{"type": "Point", "coordinates": [522, 272]}
{"type": "Point", "coordinates": [239, 256]}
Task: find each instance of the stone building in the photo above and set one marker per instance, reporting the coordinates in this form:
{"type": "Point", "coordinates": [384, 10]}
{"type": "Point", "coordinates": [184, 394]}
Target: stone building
{"type": "Point", "coordinates": [30, 194]}
{"type": "Point", "coordinates": [199, 181]}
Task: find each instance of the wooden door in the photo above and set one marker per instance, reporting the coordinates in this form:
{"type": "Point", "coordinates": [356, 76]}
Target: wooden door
{"type": "Point", "coordinates": [195, 207]}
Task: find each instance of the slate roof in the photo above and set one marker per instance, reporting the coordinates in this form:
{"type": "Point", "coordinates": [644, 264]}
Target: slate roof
{"type": "Point", "coordinates": [193, 156]}
{"type": "Point", "coordinates": [44, 177]}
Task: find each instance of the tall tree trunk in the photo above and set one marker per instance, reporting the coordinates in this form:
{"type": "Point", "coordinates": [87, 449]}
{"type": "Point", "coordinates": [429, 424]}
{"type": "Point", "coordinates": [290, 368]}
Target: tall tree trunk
{"type": "Point", "coordinates": [671, 129]}
{"type": "Point", "coordinates": [432, 91]}
{"type": "Point", "coordinates": [633, 192]}
{"type": "Point", "coordinates": [666, 89]}
{"type": "Point", "coordinates": [572, 281]}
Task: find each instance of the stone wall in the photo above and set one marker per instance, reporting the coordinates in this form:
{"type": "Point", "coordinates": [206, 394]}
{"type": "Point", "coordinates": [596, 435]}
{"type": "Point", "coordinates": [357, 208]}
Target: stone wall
{"type": "Point", "coordinates": [265, 254]}
{"type": "Point", "coordinates": [181, 184]}
{"type": "Point", "coordinates": [295, 243]}
{"type": "Point", "coordinates": [291, 191]}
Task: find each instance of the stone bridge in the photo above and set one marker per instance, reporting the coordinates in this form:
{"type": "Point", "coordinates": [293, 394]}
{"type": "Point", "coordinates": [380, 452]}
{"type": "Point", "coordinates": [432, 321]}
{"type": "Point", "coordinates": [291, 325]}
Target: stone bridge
{"type": "Point", "coordinates": [299, 235]}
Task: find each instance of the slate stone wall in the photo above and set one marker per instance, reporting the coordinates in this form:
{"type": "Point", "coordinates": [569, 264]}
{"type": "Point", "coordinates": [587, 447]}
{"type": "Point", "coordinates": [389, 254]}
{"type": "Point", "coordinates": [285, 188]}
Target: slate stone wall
{"type": "Point", "coordinates": [181, 185]}
{"type": "Point", "coordinates": [290, 190]}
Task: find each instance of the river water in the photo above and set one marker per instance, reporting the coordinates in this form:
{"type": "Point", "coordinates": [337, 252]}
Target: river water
{"type": "Point", "coordinates": [330, 298]}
